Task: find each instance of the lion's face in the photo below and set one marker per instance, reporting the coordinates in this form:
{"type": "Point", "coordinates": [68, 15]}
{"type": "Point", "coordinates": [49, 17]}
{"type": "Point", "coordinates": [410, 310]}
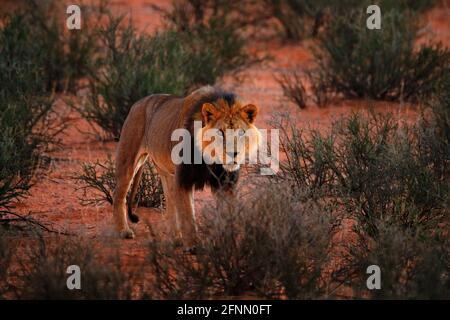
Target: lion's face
{"type": "Point", "coordinates": [229, 136]}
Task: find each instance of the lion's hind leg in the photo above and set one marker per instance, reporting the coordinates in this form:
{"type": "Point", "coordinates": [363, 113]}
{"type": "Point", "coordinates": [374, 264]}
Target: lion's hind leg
{"type": "Point", "coordinates": [127, 167]}
{"type": "Point", "coordinates": [134, 189]}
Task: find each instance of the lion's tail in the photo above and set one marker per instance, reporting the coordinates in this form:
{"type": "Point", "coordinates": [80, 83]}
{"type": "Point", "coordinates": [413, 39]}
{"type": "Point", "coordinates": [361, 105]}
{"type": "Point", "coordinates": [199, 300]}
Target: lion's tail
{"type": "Point", "coordinates": [134, 188]}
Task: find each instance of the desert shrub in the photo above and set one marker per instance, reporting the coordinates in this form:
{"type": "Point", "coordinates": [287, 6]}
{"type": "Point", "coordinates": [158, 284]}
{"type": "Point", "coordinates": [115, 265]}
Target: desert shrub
{"type": "Point", "coordinates": [372, 166]}
{"type": "Point", "coordinates": [216, 25]}
{"type": "Point", "coordinates": [294, 89]}
{"type": "Point", "coordinates": [354, 61]}
{"type": "Point", "coordinates": [100, 177]}
{"type": "Point", "coordinates": [433, 135]}
{"type": "Point", "coordinates": [302, 18]}
{"type": "Point", "coordinates": [133, 67]}
{"type": "Point", "coordinates": [20, 149]}
{"type": "Point", "coordinates": [25, 113]}
{"type": "Point", "coordinates": [41, 271]}
{"type": "Point", "coordinates": [18, 161]}
{"type": "Point", "coordinates": [269, 246]}
{"type": "Point", "coordinates": [172, 61]}
{"type": "Point", "coordinates": [21, 76]}
{"type": "Point", "coordinates": [298, 18]}
{"type": "Point", "coordinates": [7, 250]}
{"type": "Point", "coordinates": [62, 57]}
{"type": "Point", "coordinates": [391, 179]}
{"type": "Point", "coordinates": [413, 5]}
{"type": "Point", "coordinates": [412, 267]}
{"type": "Point", "coordinates": [306, 165]}
{"type": "Point", "coordinates": [36, 58]}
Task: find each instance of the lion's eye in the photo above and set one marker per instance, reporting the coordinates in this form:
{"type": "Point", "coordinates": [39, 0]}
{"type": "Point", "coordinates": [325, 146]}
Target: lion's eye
{"type": "Point", "coordinates": [241, 132]}
{"type": "Point", "coordinates": [220, 133]}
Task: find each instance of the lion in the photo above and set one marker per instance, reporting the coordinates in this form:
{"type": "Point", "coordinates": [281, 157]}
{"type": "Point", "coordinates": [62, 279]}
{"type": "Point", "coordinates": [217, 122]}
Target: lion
{"type": "Point", "coordinates": [146, 136]}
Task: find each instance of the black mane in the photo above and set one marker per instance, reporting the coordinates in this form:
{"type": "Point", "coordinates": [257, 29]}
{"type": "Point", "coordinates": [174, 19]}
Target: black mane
{"type": "Point", "coordinates": [201, 175]}
{"type": "Point", "coordinates": [210, 97]}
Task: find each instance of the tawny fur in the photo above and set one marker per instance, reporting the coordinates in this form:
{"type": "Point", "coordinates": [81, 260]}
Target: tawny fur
{"type": "Point", "coordinates": [146, 135]}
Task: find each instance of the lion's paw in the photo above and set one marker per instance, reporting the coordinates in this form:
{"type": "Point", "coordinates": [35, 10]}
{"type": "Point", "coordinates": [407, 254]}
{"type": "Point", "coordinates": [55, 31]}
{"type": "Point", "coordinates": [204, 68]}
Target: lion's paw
{"type": "Point", "coordinates": [127, 234]}
{"type": "Point", "coordinates": [190, 250]}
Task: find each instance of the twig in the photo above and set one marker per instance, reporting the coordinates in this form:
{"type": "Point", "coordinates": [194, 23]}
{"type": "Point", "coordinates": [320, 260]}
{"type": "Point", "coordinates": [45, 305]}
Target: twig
{"type": "Point", "coordinates": [32, 221]}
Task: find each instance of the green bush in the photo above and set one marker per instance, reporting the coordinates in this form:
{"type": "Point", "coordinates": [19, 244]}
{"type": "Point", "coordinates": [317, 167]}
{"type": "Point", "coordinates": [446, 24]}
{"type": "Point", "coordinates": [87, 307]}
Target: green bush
{"type": "Point", "coordinates": [270, 246]}
{"type": "Point", "coordinates": [25, 111]}
{"type": "Point", "coordinates": [41, 271]}
{"type": "Point", "coordinates": [62, 57]}
{"type": "Point", "coordinates": [133, 67]}
{"type": "Point", "coordinates": [413, 5]}
{"type": "Point", "coordinates": [20, 75]}
{"type": "Point", "coordinates": [100, 178]}
{"type": "Point", "coordinates": [392, 180]}
{"type": "Point", "coordinates": [215, 25]}
{"type": "Point", "coordinates": [412, 266]}
{"type": "Point", "coordinates": [294, 89]}
{"type": "Point", "coordinates": [433, 135]}
{"type": "Point", "coordinates": [172, 61]}
{"type": "Point", "coordinates": [7, 251]}
{"type": "Point", "coordinates": [302, 18]}
{"type": "Point", "coordinates": [36, 58]}
{"type": "Point", "coordinates": [374, 168]}
{"type": "Point", "coordinates": [354, 61]}
{"type": "Point", "coordinates": [18, 160]}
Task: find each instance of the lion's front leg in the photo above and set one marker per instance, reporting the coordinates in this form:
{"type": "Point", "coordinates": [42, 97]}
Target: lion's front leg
{"type": "Point", "coordinates": [186, 215]}
{"type": "Point", "coordinates": [172, 220]}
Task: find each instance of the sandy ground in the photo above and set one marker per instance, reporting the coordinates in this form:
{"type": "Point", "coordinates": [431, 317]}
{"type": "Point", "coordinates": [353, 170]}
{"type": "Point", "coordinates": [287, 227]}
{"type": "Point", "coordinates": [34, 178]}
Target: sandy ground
{"type": "Point", "coordinates": [54, 199]}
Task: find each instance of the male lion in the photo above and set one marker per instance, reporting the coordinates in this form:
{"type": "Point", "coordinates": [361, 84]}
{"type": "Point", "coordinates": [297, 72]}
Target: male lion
{"type": "Point", "coordinates": [146, 134]}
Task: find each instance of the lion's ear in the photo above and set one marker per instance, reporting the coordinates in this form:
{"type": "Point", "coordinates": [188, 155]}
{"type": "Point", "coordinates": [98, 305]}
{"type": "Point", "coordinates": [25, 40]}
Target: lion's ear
{"type": "Point", "coordinates": [249, 112]}
{"type": "Point", "coordinates": [210, 112]}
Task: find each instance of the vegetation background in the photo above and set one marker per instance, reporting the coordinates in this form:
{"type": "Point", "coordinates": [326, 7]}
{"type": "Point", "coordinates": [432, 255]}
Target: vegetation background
{"type": "Point", "coordinates": [365, 128]}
